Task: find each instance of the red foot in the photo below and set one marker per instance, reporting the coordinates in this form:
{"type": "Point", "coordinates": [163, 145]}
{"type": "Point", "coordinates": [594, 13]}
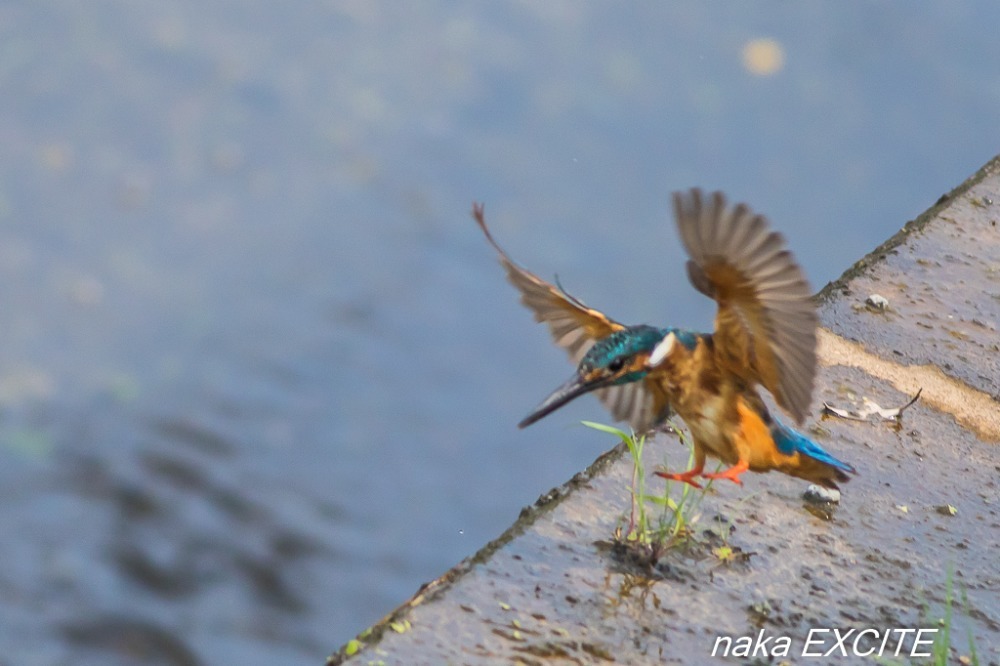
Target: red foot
{"type": "Point", "coordinates": [733, 473]}
{"type": "Point", "coordinates": [686, 477]}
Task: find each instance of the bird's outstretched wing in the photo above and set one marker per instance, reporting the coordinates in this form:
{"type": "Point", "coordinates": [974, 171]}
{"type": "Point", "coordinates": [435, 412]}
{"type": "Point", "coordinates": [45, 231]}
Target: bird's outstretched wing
{"type": "Point", "coordinates": [765, 328]}
{"type": "Point", "coordinates": [576, 327]}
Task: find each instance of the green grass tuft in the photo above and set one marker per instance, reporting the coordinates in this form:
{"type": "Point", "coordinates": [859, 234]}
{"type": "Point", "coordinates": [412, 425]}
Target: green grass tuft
{"type": "Point", "coordinates": [942, 642]}
{"type": "Point", "coordinates": [675, 519]}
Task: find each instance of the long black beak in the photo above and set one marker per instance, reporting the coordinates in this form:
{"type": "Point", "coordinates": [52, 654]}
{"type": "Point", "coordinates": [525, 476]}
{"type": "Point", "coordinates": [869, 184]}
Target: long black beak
{"type": "Point", "coordinates": [574, 388]}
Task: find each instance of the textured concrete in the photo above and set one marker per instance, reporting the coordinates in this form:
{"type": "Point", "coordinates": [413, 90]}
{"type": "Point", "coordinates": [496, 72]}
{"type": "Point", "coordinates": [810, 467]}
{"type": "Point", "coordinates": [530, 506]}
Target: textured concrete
{"type": "Point", "coordinates": [553, 588]}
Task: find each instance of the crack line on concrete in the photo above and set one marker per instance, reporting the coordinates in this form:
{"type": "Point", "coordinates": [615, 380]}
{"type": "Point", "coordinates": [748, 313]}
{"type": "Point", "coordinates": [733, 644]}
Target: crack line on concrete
{"type": "Point", "coordinates": [971, 407]}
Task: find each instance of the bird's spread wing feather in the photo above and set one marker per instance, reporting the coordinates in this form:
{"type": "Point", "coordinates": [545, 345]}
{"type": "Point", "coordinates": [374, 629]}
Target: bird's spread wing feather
{"type": "Point", "coordinates": [765, 328]}
{"type": "Point", "coordinates": [642, 404]}
{"type": "Point", "coordinates": [576, 327]}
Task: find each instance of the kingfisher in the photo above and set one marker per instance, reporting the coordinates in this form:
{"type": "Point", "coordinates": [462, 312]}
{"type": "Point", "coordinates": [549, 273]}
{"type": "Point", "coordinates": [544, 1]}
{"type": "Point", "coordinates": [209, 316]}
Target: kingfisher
{"type": "Point", "coordinates": [765, 335]}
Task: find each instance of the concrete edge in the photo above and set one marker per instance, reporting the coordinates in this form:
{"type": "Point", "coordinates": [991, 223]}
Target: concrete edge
{"type": "Point", "coordinates": [529, 514]}
{"type": "Point", "coordinates": [912, 226]}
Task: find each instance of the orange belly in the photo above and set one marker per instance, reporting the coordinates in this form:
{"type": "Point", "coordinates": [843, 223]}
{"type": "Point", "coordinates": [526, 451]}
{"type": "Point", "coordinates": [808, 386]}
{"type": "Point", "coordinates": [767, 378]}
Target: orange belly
{"type": "Point", "coordinates": [754, 442]}
{"type": "Point", "coordinates": [750, 439]}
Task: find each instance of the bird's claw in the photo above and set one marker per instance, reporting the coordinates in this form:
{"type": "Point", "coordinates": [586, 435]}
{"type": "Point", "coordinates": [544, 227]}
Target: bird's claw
{"type": "Point", "coordinates": [686, 477]}
{"type": "Point", "coordinates": [733, 473]}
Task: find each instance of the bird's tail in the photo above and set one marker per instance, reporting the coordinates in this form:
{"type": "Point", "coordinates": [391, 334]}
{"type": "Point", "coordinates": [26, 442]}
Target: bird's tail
{"type": "Point", "coordinates": [813, 462]}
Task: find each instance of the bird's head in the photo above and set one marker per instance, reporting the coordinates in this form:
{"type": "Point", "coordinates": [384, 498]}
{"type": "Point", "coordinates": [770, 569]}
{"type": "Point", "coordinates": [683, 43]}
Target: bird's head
{"type": "Point", "coordinates": [620, 358]}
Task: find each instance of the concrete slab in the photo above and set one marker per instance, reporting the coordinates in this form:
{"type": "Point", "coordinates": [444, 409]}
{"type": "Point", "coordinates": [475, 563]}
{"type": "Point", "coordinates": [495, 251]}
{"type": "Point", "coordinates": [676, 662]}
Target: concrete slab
{"type": "Point", "coordinates": [553, 589]}
{"type": "Point", "coordinates": [941, 278]}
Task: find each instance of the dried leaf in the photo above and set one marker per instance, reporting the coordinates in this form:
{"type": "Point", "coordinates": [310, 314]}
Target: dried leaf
{"type": "Point", "coordinates": [870, 408]}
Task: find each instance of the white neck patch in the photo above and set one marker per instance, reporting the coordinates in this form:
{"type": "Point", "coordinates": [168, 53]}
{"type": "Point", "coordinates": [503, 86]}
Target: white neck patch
{"type": "Point", "coordinates": [661, 350]}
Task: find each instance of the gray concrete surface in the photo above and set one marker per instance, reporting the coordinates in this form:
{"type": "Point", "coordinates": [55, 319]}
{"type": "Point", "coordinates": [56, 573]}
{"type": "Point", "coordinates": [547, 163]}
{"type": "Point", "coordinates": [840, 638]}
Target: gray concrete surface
{"type": "Point", "coordinates": [926, 502]}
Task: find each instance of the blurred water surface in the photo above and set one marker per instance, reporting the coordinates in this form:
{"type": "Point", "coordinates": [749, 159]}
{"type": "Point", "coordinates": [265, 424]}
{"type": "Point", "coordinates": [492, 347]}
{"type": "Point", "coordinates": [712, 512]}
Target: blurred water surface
{"type": "Point", "coordinates": [259, 373]}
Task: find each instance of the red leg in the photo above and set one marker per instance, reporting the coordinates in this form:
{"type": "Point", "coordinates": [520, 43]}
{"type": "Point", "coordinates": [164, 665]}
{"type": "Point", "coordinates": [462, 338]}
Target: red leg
{"type": "Point", "coordinates": [686, 477]}
{"type": "Point", "coordinates": [733, 473]}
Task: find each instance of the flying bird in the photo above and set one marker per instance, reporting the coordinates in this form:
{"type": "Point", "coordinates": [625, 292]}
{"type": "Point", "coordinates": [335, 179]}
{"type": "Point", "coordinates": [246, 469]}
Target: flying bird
{"type": "Point", "coordinates": [765, 335]}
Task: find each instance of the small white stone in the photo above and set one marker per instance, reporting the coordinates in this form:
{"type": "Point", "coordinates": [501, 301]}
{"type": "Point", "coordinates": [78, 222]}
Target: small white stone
{"type": "Point", "coordinates": [819, 494]}
{"type": "Point", "coordinates": [878, 302]}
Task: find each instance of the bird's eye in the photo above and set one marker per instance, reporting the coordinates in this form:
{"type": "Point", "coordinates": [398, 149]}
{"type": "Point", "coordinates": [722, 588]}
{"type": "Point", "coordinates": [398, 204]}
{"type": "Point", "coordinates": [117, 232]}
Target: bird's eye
{"type": "Point", "coordinates": [616, 365]}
